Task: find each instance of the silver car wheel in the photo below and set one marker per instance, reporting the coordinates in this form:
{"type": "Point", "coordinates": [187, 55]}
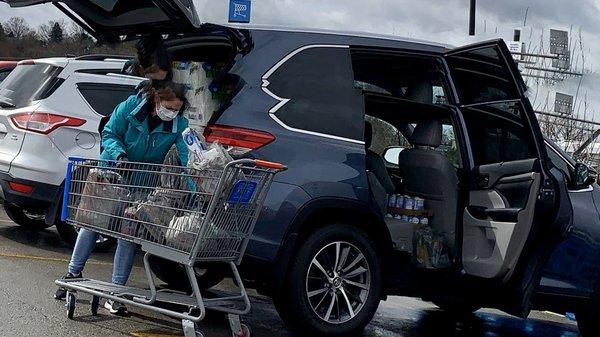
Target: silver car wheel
{"type": "Point", "coordinates": [338, 282]}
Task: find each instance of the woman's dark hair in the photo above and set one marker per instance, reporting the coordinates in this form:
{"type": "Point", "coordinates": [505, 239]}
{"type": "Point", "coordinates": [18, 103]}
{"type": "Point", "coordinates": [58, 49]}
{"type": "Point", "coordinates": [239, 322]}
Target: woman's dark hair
{"type": "Point", "coordinates": [152, 55]}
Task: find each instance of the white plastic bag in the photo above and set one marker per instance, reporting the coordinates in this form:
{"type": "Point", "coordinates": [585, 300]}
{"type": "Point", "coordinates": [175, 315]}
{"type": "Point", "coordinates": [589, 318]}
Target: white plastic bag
{"type": "Point", "coordinates": [182, 231]}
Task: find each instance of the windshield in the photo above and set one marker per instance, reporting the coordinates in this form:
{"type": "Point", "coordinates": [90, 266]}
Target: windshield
{"type": "Point", "coordinates": [27, 83]}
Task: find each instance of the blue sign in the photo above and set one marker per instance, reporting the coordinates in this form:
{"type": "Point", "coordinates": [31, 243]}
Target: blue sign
{"type": "Point", "coordinates": [242, 192]}
{"type": "Point", "coordinates": [239, 11]}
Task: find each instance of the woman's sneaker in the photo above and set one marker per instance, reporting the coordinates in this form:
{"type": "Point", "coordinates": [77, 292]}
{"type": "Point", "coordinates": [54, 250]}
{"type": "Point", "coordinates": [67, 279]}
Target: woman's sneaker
{"type": "Point", "coordinates": [61, 293]}
{"type": "Point", "coordinates": [115, 308]}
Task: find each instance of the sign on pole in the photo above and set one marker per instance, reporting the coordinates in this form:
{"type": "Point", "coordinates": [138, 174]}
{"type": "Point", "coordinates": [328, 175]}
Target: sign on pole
{"type": "Point", "coordinates": [239, 11]}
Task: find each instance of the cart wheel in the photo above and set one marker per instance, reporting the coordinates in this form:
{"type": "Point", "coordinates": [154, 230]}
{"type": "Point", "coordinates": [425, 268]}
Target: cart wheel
{"type": "Point", "coordinates": [244, 331]}
{"type": "Point", "coordinates": [70, 304]}
{"type": "Point", "coordinates": [95, 305]}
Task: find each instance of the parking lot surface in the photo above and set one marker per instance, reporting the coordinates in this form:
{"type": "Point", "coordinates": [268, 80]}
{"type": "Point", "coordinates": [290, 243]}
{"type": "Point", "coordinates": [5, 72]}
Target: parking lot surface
{"type": "Point", "coordinates": [31, 261]}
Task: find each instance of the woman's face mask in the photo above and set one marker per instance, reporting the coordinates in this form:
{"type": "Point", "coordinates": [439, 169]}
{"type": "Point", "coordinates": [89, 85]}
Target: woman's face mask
{"type": "Point", "coordinates": [165, 114]}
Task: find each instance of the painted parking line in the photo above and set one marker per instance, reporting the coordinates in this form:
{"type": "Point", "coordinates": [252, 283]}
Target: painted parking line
{"type": "Point", "coordinates": [153, 334]}
{"type": "Point", "coordinates": [48, 259]}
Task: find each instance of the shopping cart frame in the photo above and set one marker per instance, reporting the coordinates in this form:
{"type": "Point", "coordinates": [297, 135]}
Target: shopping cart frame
{"type": "Point", "coordinates": [196, 303]}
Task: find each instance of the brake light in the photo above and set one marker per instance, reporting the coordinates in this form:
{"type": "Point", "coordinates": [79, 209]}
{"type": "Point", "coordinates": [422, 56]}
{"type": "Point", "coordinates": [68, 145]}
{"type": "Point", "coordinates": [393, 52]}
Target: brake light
{"type": "Point", "coordinates": [42, 122]}
{"type": "Point", "coordinates": [242, 140]}
{"type": "Point", "coordinates": [22, 188]}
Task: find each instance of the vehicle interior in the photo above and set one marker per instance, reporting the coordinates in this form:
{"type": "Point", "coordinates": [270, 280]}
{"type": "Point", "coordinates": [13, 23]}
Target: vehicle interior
{"type": "Point", "coordinates": [411, 153]}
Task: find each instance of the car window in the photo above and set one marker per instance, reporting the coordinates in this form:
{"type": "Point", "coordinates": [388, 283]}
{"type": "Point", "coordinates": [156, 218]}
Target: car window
{"type": "Point", "coordinates": [482, 75]}
{"type": "Point", "coordinates": [449, 146]}
{"type": "Point", "coordinates": [318, 86]}
{"type": "Point", "coordinates": [29, 82]}
{"type": "Point", "coordinates": [4, 74]}
{"type": "Point", "coordinates": [558, 161]}
{"type": "Point", "coordinates": [104, 97]}
{"type": "Point", "coordinates": [385, 135]}
{"type": "Point", "coordinates": [498, 133]}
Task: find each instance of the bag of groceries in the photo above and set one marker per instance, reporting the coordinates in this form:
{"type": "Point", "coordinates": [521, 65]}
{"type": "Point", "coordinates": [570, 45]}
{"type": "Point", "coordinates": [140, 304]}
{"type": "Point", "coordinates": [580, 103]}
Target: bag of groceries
{"type": "Point", "coordinates": [102, 202]}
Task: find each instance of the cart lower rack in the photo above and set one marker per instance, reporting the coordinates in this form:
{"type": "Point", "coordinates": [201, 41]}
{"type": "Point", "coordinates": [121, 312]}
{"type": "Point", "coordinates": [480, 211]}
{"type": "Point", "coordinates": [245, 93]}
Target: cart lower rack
{"type": "Point", "coordinates": [175, 213]}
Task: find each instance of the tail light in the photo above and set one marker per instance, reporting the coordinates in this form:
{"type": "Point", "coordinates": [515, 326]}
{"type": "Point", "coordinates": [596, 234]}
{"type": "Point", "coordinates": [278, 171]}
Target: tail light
{"type": "Point", "coordinates": [42, 122]}
{"type": "Point", "coordinates": [240, 140]}
{"type": "Point", "coordinates": [22, 188]}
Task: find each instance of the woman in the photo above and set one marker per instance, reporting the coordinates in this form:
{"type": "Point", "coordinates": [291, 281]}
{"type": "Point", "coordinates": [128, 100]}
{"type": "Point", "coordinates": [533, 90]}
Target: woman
{"type": "Point", "coordinates": [141, 129]}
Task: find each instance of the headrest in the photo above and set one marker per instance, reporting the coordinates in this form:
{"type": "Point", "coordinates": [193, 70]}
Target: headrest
{"type": "Point", "coordinates": [368, 134]}
{"type": "Point", "coordinates": [428, 133]}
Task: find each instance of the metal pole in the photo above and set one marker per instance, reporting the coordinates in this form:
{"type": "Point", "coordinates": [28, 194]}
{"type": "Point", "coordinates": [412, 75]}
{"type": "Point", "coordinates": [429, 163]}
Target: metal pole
{"type": "Point", "coordinates": [472, 18]}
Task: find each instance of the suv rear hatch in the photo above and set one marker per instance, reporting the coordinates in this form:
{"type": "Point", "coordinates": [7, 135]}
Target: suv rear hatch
{"type": "Point", "coordinates": [26, 84]}
{"type": "Point", "coordinates": [108, 20]}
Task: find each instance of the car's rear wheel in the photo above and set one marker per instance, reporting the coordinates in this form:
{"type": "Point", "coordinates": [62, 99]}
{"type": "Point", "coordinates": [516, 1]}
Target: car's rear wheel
{"type": "Point", "coordinates": [333, 286]}
{"type": "Point", "coordinates": [69, 235]}
{"type": "Point", "coordinates": [588, 320]}
{"type": "Point", "coordinates": [173, 274]}
{"type": "Point", "coordinates": [29, 219]}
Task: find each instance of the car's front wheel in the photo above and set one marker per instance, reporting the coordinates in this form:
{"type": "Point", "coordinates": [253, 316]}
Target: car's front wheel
{"type": "Point", "coordinates": [34, 220]}
{"type": "Point", "coordinates": [333, 286]}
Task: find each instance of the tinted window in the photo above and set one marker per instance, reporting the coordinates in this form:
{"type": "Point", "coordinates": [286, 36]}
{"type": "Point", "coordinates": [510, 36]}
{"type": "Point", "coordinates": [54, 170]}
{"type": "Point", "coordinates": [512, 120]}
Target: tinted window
{"type": "Point", "coordinates": [103, 98]}
{"type": "Point", "coordinates": [27, 83]}
{"type": "Point", "coordinates": [3, 75]}
{"type": "Point", "coordinates": [499, 133]}
{"type": "Point", "coordinates": [319, 85]}
{"type": "Point", "coordinates": [482, 75]}
{"type": "Point", "coordinates": [417, 79]}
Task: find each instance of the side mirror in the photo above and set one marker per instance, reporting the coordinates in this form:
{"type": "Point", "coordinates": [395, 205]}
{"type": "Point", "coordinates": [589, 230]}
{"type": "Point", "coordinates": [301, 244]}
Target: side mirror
{"type": "Point", "coordinates": [391, 154]}
{"type": "Point", "coordinates": [583, 176]}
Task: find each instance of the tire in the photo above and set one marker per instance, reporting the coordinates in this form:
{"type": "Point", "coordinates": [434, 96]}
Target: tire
{"type": "Point", "coordinates": [69, 235]}
{"type": "Point", "coordinates": [174, 275]}
{"type": "Point", "coordinates": [25, 219]}
{"type": "Point", "coordinates": [588, 321]}
{"type": "Point", "coordinates": [315, 314]}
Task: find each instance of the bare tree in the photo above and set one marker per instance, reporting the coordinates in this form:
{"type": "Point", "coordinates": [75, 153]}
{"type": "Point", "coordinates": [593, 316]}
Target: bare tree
{"type": "Point", "coordinates": [17, 28]}
{"type": "Point", "coordinates": [46, 30]}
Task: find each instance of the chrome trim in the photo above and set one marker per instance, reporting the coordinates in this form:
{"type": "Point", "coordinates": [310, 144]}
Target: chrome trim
{"type": "Point", "coordinates": [283, 101]}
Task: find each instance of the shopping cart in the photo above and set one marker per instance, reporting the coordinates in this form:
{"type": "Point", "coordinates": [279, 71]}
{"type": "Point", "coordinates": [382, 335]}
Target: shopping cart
{"type": "Point", "coordinates": [175, 213]}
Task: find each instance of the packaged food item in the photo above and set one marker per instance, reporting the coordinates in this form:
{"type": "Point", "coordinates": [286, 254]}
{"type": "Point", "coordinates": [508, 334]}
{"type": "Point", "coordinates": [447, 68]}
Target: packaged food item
{"type": "Point", "coordinates": [414, 220]}
{"type": "Point", "coordinates": [392, 200]}
{"type": "Point", "coordinates": [398, 216]}
{"type": "Point", "coordinates": [409, 202]}
{"type": "Point", "coordinates": [419, 203]}
{"type": "Point", "coordinates": [424, 220]}
{"type": "Point", "coordinates": [405, 218]}
{"type": "Point", "coordinates": [399, 201]}
{"type": "Point", "coordinates": [194, 142]}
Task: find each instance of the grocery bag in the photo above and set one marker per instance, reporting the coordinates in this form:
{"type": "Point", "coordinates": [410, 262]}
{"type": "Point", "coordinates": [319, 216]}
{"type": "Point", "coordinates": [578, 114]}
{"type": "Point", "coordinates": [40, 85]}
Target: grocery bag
{"type": "Point", "coordinates": [102, 202]}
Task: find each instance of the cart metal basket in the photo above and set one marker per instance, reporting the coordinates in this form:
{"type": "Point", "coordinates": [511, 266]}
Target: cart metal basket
{"type": "Point", "coordinates": [173, 212]}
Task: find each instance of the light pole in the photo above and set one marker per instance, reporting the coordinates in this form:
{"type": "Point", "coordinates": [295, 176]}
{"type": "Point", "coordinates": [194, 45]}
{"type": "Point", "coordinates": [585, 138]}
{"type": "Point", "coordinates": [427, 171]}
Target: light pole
{"type": "Point", "coordinates": [472, 18]}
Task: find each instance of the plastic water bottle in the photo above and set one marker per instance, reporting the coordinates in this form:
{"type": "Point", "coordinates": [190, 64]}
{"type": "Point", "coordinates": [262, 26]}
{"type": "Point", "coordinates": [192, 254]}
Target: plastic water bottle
{"type": "Point", "coordinates": [571, 316]}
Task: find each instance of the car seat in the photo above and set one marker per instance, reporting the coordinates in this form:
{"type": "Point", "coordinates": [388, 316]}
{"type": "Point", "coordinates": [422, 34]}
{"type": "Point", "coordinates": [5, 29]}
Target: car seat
{"type": "Point", "coordinates": [429, 174]}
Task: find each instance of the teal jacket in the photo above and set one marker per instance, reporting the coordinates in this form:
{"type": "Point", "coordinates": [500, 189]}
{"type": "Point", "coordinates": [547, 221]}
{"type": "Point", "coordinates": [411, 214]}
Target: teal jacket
{"type": "Point", "coordinates": [127, 133]}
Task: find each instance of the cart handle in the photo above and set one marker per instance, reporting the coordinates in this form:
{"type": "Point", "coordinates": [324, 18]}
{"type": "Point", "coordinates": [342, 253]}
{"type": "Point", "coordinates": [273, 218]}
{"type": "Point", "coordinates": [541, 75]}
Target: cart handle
{"type": "Point", "coordinates": [269, 164]}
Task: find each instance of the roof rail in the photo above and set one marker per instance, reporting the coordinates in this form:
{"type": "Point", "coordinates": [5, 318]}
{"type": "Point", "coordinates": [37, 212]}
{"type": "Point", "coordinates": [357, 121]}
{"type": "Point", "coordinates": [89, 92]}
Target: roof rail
{"type": "Point", "coordinates": [102, 57]}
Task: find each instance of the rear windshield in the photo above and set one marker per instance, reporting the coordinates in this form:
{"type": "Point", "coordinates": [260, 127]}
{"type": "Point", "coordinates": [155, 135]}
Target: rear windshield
{"type": "Point", "coordinates": [27, 83]}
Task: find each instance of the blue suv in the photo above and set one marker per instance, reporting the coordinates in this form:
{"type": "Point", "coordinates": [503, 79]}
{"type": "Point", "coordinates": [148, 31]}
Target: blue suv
{"type": "Point", "coordinates": [360, 121]}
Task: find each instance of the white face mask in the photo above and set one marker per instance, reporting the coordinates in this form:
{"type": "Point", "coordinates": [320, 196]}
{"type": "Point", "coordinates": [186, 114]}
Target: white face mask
{"type": "Point", "coordinates": [165, 114]}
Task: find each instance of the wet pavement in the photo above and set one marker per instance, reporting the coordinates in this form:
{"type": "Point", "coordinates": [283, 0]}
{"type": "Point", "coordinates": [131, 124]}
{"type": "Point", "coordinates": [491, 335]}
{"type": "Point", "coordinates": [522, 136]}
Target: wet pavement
{"type": "Point", "coordinates": [31, 261]}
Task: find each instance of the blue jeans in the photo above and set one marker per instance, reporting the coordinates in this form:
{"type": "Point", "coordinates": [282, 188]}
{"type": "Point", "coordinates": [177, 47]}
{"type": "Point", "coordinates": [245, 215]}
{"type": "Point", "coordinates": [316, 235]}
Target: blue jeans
{"type": "Point", "coordinates": [122, 264]}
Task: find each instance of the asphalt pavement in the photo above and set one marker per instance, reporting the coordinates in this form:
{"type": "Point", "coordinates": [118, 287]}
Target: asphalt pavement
{"type": "Point", "coordinates": [30, 261]}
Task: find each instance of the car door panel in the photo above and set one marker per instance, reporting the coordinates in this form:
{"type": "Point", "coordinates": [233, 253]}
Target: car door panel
{"type": "Point", "coordinates": [498, 217]}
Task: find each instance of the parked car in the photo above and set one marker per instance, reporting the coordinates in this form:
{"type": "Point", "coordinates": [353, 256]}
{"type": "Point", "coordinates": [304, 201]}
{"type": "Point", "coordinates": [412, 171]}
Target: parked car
{"type": "Point", "coordinates": [50, 109]}
{"type": "Point", "coordinates": [331, 106]}
{"type": "Point", "coordinates": [5, 68]}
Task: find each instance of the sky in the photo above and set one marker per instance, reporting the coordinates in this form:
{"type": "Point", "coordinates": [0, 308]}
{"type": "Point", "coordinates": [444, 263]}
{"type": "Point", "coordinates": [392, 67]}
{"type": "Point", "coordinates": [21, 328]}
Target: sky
{"type": "Point", "coordinates": [443, 21]}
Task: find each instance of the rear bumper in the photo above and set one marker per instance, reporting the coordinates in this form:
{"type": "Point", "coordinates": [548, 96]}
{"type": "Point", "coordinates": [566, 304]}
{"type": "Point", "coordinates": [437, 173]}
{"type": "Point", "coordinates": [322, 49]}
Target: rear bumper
{"type": "Point", "coordinates": [43, 197]}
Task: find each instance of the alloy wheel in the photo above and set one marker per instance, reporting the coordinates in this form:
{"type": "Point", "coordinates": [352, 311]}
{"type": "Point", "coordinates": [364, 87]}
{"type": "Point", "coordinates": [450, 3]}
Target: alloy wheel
{"type": "Point", "coordinates": [338, 282]}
